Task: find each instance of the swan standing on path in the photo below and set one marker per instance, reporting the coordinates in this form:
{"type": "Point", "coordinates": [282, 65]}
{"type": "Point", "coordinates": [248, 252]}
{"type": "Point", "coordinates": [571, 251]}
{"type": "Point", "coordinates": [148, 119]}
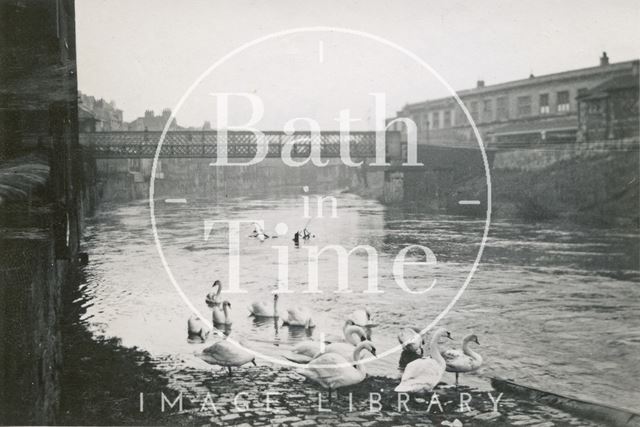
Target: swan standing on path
{"type": "Point", "coordinates": [226, 353]}
{"type": "Point", "coordinates": [214, 295]}
{"type": "Point", "coordinates": [264, 309]}
{"type": "Point", "coordinates": [465, 360]}
{"type": "Point", "coordinates": [221, 315]}
{"type": "Point", "coordinates": [332, 371]}
{"type": "Point", "coordinates": [196, 329]}
{"type": "Point", "coordinates": [425, 373]}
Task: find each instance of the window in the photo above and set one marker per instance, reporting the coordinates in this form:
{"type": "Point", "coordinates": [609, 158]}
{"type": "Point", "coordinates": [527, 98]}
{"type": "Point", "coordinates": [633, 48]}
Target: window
{"type": "Point", "coordinates": [502, 108]}
{"type": "Point", "coordinates": [487, 110]}
{"type": "Point", "coordinates": [544, 103]}
{"type": "Point", "coordinates": [524, 105]}
{"type": "Point", "coordinates": [447, 119]}
{"type": "Point", "coordinates": [582, 91]}
{"type": "Point", "coordinates": [563, 101]}
{"type": "Point", "coordinates": [473, 109]}
{"type": "Point", "coordinates": [424, 122]}
{"type": "Point", "coordinates": [436, 119]}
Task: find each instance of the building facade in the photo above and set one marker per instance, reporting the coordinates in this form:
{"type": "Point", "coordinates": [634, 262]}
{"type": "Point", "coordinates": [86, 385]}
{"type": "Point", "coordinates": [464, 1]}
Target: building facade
{"type": "Point", "coordinates": [535, 110]}
{"type": "Point", "coordinates": [106, 115]}
{"type": "Point", "coordinates": [151, 122]}
{"type": "Point", "coordinates": [610, 110]}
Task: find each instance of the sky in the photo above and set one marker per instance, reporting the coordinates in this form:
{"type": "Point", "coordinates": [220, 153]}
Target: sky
{"type": "Point", "coordinates": [146, 54]}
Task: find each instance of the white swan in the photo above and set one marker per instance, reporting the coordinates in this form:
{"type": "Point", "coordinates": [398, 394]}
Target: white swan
{"type": "Point", "coordinates": [425, 373]}
{"type": "Point", "coordinates": [465, 360]}
{"type": "Point", "coordinates": [299, 316]}
{"type": "Point", "coordinates": [264, 309]}
{"type": "Point", "coordinates": [361, 317]}
{"type": "Point", "coordinates": [196, 329]}
{"type": "Point", "coordinates": [353, 335]}
{"type": "Point", "coordinates": [221, 315]}
{"type": "Point", "coordinates": [226, 353]}
{"type": "Point", "coordinates": [332, 371]}
{"type": "Point", "coordinates": [305, 351]}
{"type": "Point", "coordinates": [214, 295]}
{"type": "Point", "coordinates": [411, 340]}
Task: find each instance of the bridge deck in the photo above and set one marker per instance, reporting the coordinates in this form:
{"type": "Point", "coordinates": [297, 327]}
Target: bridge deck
{"type": "Point", "coordinates": [190, 144]}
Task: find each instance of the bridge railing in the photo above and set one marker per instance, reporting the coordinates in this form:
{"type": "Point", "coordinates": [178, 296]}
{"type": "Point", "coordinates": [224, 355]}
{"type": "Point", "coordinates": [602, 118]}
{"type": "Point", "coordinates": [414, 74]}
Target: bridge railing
{"type": "Point", "coordinates": [240, 144]}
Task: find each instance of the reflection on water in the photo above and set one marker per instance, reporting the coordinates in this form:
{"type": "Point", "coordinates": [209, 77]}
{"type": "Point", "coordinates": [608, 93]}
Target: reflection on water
{"type": "Point", "coordinates": [555, 306]}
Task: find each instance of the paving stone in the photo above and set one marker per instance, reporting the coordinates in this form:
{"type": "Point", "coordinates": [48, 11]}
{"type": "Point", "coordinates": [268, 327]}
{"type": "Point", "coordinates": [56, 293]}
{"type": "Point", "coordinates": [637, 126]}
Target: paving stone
{"type": "Point", "coordinates": [230, 417]}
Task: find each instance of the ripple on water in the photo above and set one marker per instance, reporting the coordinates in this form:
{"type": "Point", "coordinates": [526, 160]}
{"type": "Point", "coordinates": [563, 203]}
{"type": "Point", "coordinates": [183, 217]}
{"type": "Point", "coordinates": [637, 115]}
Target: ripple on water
{"type": "Point", "coordinates": [554, 307]}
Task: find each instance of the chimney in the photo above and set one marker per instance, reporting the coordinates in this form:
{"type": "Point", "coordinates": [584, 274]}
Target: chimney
{"type": "Point", "coordinates": [604, 59]}
{"type": "Point", "coordinates": [480, 83]}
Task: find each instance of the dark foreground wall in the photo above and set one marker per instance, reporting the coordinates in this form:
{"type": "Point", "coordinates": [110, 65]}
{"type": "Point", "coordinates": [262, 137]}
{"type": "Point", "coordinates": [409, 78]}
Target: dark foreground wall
{"type": "Point", "coordinates": [42, 198]}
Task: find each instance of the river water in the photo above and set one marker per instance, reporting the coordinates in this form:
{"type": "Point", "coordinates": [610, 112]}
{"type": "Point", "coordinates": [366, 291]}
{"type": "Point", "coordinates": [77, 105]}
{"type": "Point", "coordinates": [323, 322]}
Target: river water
{"type": "Point", "coordinates": [555, 306]}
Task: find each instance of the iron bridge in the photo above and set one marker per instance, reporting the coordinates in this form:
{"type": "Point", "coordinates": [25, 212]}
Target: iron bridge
{"type": "Point", "coordinates": [240, 144]}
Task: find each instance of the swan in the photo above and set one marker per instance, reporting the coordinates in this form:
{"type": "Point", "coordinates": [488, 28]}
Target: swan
{"type": "Point", "coordinates": [196, 329]}
{"type": "Point", "coordinates": [353, 336]}
{"type": "Point", "coordinates": [305, 351]}
{"type": "Point", "coordinates": [425, 373]}
{"type": "Point", "coordinates": [226, 353]}
{"type": "Point", "coordinates": [361, 317]}
{"type": "Point", "coordinates": [299, 316]}
{"type": "Point", "coordinates": [465, 360]}
{"type": "Point", "coordinates": [221, 315]}
{"type": "Point", "coordinates": [332, 371]}
{"type": "Point", "coordinates": [263, 309]}
{"type": "Point", "coordinates": [411, 340]}
{"type": "Point", "coordinates": [212, 297]}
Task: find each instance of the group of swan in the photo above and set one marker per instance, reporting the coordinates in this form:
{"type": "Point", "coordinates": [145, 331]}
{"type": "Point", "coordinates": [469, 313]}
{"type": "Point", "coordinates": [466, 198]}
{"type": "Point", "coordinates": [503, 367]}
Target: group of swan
{"type": "Point", "coordinates": [338, 364]}
{"type": "Point", "coordinates": [224, 352]}
{"type": "Point", "coordinates": [425, 372]}
{"type": "Point", "coordinates": [332, 368]}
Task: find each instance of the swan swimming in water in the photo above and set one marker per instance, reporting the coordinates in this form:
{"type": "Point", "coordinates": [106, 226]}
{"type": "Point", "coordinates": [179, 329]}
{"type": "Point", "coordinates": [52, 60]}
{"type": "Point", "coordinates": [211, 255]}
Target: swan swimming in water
{"type": "Point", "coordinates": [298, 316]}
{"type": "Point", "coordinates": [221, 315]}
{"type": "Point", "coordinates": [196, 329]}
{"type": "Point", "coordinates": [465, 360]}
{"type": "Point", "coordinates": [214, 295]}
{"type": "Point", "coordinates": [411, 340]}
{"type": "Point", "coordinates": [361, 317]}
{"type": "Point", "coordinates": [264, 309]}
{"type": "Point", "coordinates": [332, 371]}
{"type": "Point", "coordinates": [425, 373]}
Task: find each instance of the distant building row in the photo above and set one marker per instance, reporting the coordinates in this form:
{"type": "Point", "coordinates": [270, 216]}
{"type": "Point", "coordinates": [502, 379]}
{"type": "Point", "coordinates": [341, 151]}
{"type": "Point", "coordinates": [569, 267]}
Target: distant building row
{"type": "Point", "coordinates": [590, 103]}
{"type": "Point", "coordinates": [98, 115]}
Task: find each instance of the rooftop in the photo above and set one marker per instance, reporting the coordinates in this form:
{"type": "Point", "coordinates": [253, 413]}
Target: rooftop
{"type": "Point", "coordinates": [618, 66]}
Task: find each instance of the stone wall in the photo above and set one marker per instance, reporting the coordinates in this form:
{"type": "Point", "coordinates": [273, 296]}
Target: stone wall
{"type": "Point", "coordinates": [128, 179]}
{"type": "Point", "coordinates": [530, 159]}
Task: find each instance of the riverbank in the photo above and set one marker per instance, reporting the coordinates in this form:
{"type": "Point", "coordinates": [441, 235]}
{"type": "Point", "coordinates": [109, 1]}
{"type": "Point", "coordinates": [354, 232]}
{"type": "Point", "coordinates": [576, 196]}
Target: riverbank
{"type": "Point", "coordinates": [102, 383]}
